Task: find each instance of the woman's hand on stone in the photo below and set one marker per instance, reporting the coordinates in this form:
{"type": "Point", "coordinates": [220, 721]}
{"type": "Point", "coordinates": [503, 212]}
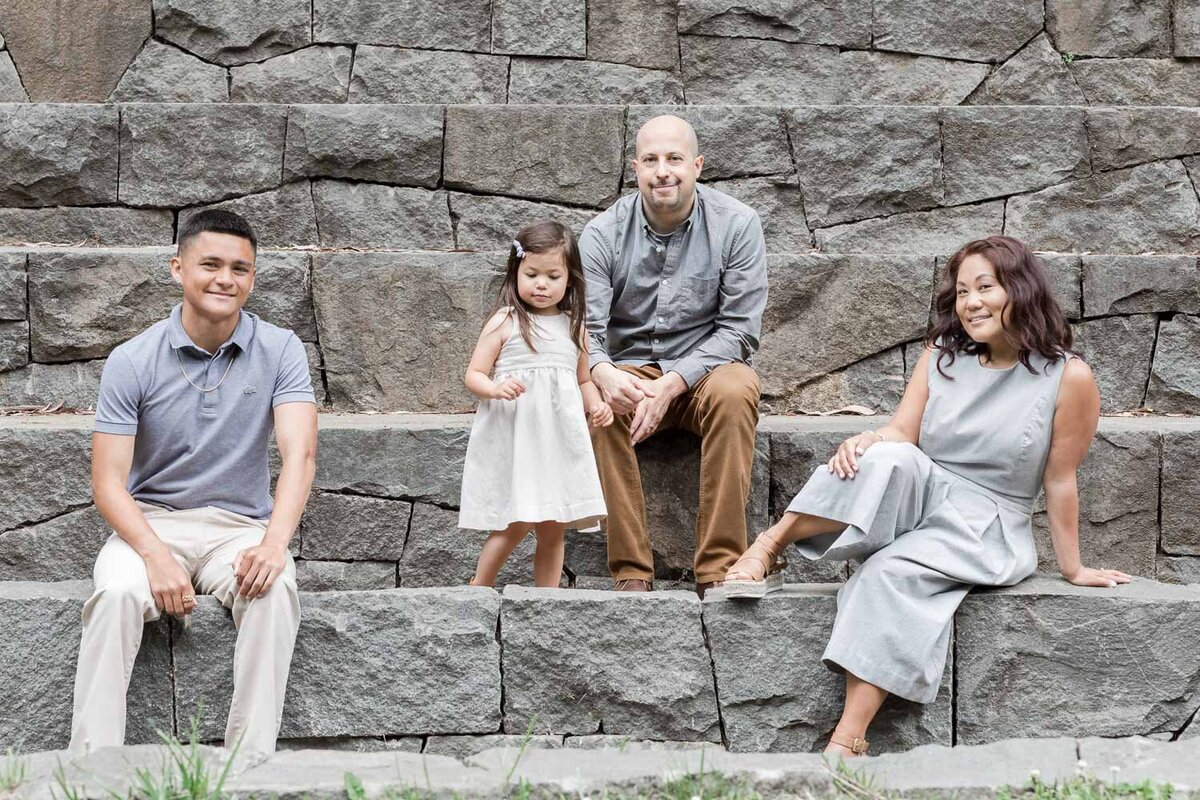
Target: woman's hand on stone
{"type": "Point", "coordinates": [844, 463]}
{"type": "Point", "coordinates": [1087, 576]}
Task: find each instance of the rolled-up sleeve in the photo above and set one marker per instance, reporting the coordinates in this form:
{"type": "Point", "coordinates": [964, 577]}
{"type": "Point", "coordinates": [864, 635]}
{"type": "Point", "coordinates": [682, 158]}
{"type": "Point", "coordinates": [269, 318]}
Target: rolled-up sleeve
{"type": "Point", "coordinates": [120, 397]}
{"type": "Point", "coordinates": [597, 259]}
{"type": "Point", "coordinates": [742, 300]}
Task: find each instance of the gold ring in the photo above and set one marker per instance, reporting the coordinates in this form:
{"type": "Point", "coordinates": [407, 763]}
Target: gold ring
{"type": "Point", "coordinates": [189, 598]}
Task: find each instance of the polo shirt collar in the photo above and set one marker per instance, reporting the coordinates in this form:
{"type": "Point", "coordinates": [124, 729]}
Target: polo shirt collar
{"type": "Point", "coordinates": [178, 337]}
{"type": "Point", "coordinates": [688, 224]}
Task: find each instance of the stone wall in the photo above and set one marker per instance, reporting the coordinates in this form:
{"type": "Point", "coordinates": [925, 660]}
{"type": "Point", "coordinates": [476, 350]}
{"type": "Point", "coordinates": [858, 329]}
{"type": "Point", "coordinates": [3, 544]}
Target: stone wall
{"type": "Point", "coordinates": [384, 513]}
{"type": "Point", "coordinates": [1009, 52]}
{"type": "Point", "coordinates": [1108, 194]}
{"type": "Point", "coordinates": [457, 670]}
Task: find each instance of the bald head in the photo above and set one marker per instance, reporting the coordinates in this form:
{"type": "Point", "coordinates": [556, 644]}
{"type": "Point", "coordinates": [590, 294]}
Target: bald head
{"type": "Point", "coordinates": [670, 130]}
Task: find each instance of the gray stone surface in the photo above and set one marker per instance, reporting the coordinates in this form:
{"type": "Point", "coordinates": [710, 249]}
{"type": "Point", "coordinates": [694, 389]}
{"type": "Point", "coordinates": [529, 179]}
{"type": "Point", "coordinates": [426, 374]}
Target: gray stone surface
{"type": "Point", "coordinates": [580, 662]}
{"type": "Point", "coordinates": [626, 744]}
{"type": "Point", "coordinates": [963, 771]}
{"type": "Point", "coordinates": [439, 553]}
{"type": "Point", "coordinates": [1143, 209]}
{"type": "Point", "coordinates": [1175, 375]}
{"type": "Point", "coordinates": [83, 303]}
{"type": "Point", "coordinates": [992, 151]}
{"type": "Point", "coordinates": [611, 37]}
{"type": "Point", "coordinates": [375, 216]}
{"type": "Point", "coordinates": [578, 160]}
{"type": "Point", "coordinates": [366, 664]}
{"type": "Point", "coordinates": [1118, 350]}
{"type": "Point", "coordinates": [175, 155]}
{"type": "Point", "coordinates": [736, 142]}
{"type": "Point", "coordinates": [990, 32]}
{"type": "Point", "coordinates": [1034, 76]}
{"type": "Point", "coordinates": [13, 281]}
{"type": "Point", "coordinates": [312, 75]}
{"type": "Point", "coordinates": [757, 71]}
{"type": "Point", "coordinates": [14, 345]}
{"type": "Point", "coordinates": [876, 382]}
{"type": "Point", "coordinates": [856, 163]}
{"type": "Point", "coordinates": [1138, 81]}
{"type": "Point", "coordinates": [463, 746]}
{"type": "Point", "coordinates": [387, 144]}
{"type": "Point", "coordinates": [1185, 29]}
{"type": "Point", "coordinates": [447, 25]}
{"type": "Point", "coordinates": [61, 60]}
{"type": "Point", "coordinates": [1021, 653]}
{"type": "Point", "coordinates": [86, 226]}
{"type": "Point", "coordinates": [344, 576]}
{"type": "Point", "coordinates": [357, 744]}
{"type": "Point", "coordinates": [398, 361]}
{"type": "Point", "coordinates": [11, 88]}
{"type": "Point", "coordinates": [1117, 529]}
{"type": "Point", "coordinates": [545, 81]}
{"type": "Point", "coordinates": [398, 75]}
{"type": "Point", "coordinates": [1065, 273]}
{"type": "Point", "coordinates": [489, 223]}
{"type": "Point", "coordinates": [1111, 28]}
{"type": "Point", "coordinates": [411, 458]}
{"type": "Point", "coordinates": [766, 708]}
{"type": "Point", "coordinates": [354, 528]}
{"type": "Point", "coordinates": [58, 154]}
{"type": "Point", "coordinates": [316, 366]}
{"type": "Point", "coordinates": [939, 230]}
{"type": "Point", "coordinates": [165, 74]}
{"type": "Point", "coordinates": [282, 217]}
{"type": "Point", "coordinates": [846, 23]}
{"type": "Point", "coordinates": [804, 335]}
{"type": "Point", "coordinates": [1122, 137]}
{"type": "Point", "coordinates": [1179, 570]}
{"type": "Point", "coordinates": [780, 208]}
{"type": "Point", "coordinates": [62, 548]}
{"type": "Point", "coordinates": [670, 468]}
{"type": "Point", "coordinates": [44, 619]}
{"type": "Point", "coordinates": [540, 27]}
{"type": "Point", "coordinates": [74, 385]}
{"type": "Point", "coordinates": [1140, 284]}
{"type": "Point", "coordinates": [1180, 494]}
{"type": "Point", "coordinates": [234, 31]}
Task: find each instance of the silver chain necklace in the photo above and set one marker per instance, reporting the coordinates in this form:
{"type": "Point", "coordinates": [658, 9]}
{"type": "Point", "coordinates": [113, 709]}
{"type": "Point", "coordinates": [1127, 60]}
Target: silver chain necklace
{"type": "Point", "coordinates": [203, 389]}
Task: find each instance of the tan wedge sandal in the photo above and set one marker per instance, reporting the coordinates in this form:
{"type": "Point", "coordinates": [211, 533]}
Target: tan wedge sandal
{"type": "Point", "coordinates": [855, 744]}
{"type": "Point", "coordinates": [773, 567]}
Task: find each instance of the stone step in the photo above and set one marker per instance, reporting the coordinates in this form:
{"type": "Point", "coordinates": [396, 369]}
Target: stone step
{"type": "Point", "coordinates": [387, 488]}
{"type": "Point", "coordinates": [927, 771]}
{"type": "Point", "coordinates": [408, 669]}
{"type": "Point", "coordinates": [1137, 320]}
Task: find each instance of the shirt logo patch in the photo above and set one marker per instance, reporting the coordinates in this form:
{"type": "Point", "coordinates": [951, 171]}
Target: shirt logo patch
{"type": "Point", "coordinates": [248, 390]}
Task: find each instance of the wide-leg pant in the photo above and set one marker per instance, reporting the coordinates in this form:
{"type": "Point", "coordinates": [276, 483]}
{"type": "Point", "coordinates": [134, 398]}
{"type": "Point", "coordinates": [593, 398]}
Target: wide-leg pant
{"type": "Point", "coordinates": [205, 542]}
{"type": "Point", "coordinates": [927, 537]}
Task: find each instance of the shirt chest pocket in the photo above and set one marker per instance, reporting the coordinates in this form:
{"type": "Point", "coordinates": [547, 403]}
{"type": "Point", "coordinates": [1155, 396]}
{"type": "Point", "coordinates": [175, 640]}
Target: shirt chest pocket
{"type": "Point", "coordinates": [699, 296]}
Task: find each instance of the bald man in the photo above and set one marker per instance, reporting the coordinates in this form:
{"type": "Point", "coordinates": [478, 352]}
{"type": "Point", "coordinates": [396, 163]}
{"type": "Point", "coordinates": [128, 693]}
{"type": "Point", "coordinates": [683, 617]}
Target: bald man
{"type": "Point", "coordinates": [677, 282]}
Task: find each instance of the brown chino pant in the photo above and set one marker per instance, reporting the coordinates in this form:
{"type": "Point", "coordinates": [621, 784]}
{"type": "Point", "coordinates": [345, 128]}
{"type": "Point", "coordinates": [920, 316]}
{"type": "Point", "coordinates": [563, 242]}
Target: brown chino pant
{"type": "Point", "coordinates": [722, 409]}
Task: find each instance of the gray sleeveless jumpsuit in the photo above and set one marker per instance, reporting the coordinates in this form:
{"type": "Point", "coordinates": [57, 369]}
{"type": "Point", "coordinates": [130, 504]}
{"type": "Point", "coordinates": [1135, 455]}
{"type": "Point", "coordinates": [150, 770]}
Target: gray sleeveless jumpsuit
{"type": "Point", "coordinates": [931, 522]}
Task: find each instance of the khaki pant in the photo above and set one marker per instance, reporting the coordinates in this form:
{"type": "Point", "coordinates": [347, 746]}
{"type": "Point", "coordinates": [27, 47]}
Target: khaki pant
{"type": "Point", "coordinates": [722, 408]}
{"type": "Point", "coordinates": [204, 541]}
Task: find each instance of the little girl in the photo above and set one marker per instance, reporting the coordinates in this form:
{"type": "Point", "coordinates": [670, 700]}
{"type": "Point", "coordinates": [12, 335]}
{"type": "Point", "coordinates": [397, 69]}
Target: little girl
{"type": "Point", "coordinates": [530, 464]}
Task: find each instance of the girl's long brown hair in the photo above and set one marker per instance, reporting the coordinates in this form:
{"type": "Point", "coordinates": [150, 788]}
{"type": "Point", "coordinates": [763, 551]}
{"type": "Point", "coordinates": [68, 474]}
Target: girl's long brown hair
{"type": "Point", "coordinates": [1036, 322]}
{"type": "Point", "coordinates": [544, 236]}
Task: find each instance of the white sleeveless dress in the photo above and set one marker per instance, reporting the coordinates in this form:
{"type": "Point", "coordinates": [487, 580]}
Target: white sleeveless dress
{"type": "Point", "coordinates": [531, 459]}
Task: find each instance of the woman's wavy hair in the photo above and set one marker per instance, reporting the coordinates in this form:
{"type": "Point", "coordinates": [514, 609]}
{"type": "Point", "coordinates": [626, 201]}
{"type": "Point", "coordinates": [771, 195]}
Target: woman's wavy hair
{"type": "Point", "coordinates": [544, 236]}
{"type": "Point", "coordinates": [1036, 322]}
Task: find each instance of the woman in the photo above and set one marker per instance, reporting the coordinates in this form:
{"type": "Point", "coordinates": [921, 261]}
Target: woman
{"type": "Point", "coordinates": [940, 499]}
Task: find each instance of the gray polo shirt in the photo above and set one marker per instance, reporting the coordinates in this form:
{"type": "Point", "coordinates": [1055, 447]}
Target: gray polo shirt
{"type": "Point", "coordinates": [196, 448]}
{"type": "Point", "coordinates": [690, 301]}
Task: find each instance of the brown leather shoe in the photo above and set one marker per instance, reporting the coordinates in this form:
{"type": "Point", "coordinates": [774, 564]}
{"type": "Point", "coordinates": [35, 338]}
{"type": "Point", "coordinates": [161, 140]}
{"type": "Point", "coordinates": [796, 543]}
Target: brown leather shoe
{"type": "Point", "coordinates": [701, 588]}
{"type": "Point", "coordinates": [633, 585]}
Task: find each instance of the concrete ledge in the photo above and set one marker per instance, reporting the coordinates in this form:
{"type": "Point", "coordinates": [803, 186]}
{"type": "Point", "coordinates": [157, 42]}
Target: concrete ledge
{"type": "Point", "coordinates": [384, 670]}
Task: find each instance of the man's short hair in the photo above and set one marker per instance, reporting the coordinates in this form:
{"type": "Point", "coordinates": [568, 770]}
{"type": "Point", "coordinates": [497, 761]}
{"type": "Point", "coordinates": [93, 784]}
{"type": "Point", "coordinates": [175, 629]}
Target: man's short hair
{"type": "Point", "coordinates": [216, 220]}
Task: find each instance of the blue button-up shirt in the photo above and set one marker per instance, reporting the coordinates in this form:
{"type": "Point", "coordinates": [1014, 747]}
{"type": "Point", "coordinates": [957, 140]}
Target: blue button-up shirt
{"type": "Point", "coordinates": [689, 301]}
{"type": "Point", "coordinates": [195, 448]}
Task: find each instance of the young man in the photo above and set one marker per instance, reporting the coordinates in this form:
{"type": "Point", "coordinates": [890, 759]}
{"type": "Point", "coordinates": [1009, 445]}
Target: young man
{"type": "Point", "coordinates": [179, 471]}
{"type": "Point", "coordinates": [677, 283]}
